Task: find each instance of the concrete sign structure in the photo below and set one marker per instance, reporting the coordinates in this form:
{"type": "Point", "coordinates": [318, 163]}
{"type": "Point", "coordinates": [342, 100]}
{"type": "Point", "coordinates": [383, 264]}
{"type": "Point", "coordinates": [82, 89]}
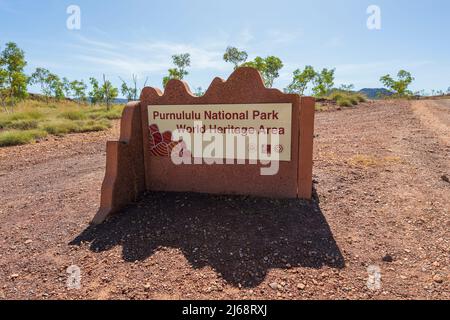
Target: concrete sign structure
{"type": "Point", "coordinates": [219, 143]}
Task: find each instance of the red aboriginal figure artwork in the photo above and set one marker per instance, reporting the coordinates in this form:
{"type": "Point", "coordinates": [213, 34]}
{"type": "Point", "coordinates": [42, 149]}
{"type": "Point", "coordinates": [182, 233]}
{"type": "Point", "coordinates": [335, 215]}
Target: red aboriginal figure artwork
{"type": "Point", "coordinates": [162, 145]}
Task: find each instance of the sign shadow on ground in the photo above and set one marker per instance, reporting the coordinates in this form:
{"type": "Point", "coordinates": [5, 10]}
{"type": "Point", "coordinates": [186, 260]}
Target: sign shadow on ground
{"type": "Point", "coordinates": [241, 238]}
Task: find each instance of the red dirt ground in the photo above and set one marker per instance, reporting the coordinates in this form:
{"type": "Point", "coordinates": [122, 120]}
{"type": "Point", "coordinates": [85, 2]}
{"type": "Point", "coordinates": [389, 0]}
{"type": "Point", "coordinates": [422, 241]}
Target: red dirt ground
{"type": "Point", "coordinates": [382, 199]}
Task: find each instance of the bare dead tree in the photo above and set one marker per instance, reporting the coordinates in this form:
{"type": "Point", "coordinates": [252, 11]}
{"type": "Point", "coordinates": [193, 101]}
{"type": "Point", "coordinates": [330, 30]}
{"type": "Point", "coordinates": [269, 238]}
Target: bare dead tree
{"type": "Point", "coordinates": [132, 92]}
{"type": "Point", "coordinates": [106, 88]}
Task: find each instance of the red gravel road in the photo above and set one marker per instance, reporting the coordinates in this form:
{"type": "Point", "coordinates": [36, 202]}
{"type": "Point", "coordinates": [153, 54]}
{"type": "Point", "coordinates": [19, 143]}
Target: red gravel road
{"type": "Point", "coordinates": [383, 199]}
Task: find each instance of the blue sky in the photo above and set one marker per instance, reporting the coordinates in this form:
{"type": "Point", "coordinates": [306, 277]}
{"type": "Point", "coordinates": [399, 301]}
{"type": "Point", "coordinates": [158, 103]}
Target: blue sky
{"type": "Point", "coordinates": [120, 38]}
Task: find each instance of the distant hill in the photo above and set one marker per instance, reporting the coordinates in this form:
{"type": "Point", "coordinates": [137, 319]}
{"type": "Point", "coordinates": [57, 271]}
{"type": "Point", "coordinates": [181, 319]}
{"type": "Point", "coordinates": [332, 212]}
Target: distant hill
{"type": "Point", "coordinates": [120, 101]}
{"type": "Point", "coordinates": [375, 93]}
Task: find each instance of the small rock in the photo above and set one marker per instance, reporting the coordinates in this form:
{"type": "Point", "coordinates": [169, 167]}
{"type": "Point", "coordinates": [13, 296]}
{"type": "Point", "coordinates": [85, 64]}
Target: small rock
{"type": "Point", "coordinates": [28, 241]}
{"type": "Point", "coordinates": [436, 264]}
{"type": "Point", "coordinates": [14, 276]}
{"type": "Point", "coordinates": [274, 285]}
{"type": "Point", "coordinates": [301, 286]}
{"type": "Point", "coordinates": [438, 279]}
{"type": "Point", "coordinates": [445, 178]}
{"type": "Point", "coordinates": [147, 287]}
{"type": "Point", "coordinates": [388, 258]}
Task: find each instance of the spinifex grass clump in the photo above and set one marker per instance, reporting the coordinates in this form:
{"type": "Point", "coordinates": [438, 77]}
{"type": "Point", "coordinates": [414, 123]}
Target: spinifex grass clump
{"type": "Point", "coordinates": [16, 137]}
{"type": "Point", "coordinates": [73, 115]}
{"type": "Point", "coordinates": [114, 113]}
{"type": "Point", "coordinates": [20, 120]}
{"type": "Point", "coordinates": [344, 102]}
{"type": "Point", "coordinates": [346, 99]}
{"type": "Point", "coordinates": [63, 127]}
{"type": "Point", "coordinates": [33, 120]}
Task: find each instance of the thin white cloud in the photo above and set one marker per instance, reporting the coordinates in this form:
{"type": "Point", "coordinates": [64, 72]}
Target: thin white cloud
{"type": "Point", "coordinates": [95, 43]}
{"type": "Point", "coordinates": [202, 57]}
{"type": "Point", "coordinates": [381, 65]}
{"type": "Point", "coordinates": [359, 74]}
{"type": "Point", "coordinates": [334, 42]}
{"type": "Point", "coordinates": [146, 56]}
{"type": "Point", "coordinates": [125, 65]}
{"type": "Point", "coordinates": [368, 74]}
{"type": "Point", "coordinates": [283, 37]}
{"type": "Point", "coordinates": [245, 37]}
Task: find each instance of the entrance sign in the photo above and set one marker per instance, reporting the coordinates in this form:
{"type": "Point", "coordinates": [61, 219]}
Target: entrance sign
{"type": "Point", "coordinates": [231, 119]}
{"type": "Point", "coordinates": [163, 126]}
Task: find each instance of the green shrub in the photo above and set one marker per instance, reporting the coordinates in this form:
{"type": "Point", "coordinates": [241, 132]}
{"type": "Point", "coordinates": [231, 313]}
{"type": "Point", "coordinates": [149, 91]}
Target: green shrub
{"type": "Point", "coordinates": [15, 138]}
